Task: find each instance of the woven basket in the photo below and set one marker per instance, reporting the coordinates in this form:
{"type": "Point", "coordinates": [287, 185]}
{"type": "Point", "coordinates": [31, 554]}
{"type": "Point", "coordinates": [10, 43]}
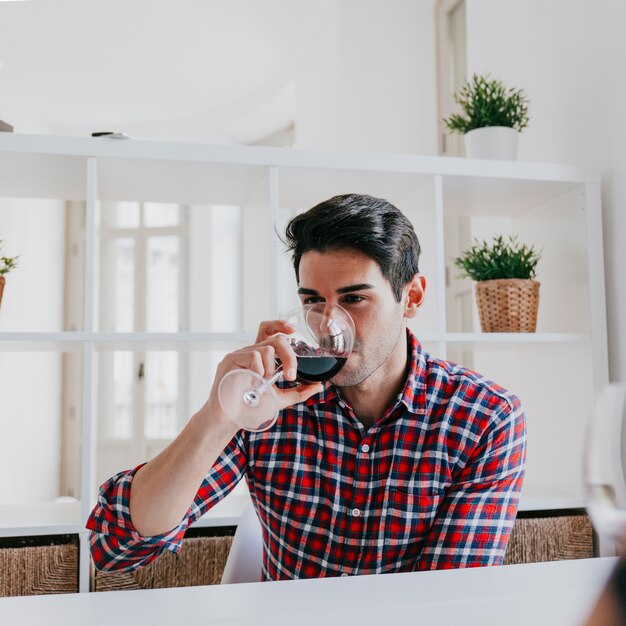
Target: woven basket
{"type": "Point", "coordinates": [508, 305]}
{"type": "Point", "coordinates": [201, 561]}
{"type": "Point", "coordinates": [556, 538]}
{"type": "Point", "coordinates": [36, 570]}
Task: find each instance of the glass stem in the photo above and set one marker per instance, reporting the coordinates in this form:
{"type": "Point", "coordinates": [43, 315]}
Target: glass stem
{"type": "Point", "coordinates": [252, 397]}
{"type": "Point", "coordinates": [275, 377]}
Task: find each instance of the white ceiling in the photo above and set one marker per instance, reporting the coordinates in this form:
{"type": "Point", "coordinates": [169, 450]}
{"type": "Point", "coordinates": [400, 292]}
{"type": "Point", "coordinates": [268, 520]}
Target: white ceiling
{"type": "Point", "coordinates": [188, 70]}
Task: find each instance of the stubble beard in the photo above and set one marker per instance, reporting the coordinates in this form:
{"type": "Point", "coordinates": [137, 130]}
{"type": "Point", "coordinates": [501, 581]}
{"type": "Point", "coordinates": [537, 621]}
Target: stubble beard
{"type": "Point", "coordinates": [370, 363]}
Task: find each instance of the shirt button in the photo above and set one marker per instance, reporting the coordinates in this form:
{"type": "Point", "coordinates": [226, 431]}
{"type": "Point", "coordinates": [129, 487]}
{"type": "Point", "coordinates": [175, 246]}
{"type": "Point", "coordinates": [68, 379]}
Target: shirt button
{"type": "Point", "coordinates": [356, 512]}
{"type": "Point", "coordinates": [365, 448]}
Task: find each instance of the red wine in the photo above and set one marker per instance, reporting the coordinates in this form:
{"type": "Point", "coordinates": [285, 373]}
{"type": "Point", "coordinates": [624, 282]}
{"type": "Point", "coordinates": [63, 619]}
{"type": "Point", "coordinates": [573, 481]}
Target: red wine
{"type": "Point", "coordinates": [314, 369]}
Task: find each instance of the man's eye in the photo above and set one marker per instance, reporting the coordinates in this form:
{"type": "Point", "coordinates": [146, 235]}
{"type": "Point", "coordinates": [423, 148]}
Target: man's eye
{"type": "Point", "coordinates": [352, 299]}
{"type": "Point", "coordinates": [312, 300]}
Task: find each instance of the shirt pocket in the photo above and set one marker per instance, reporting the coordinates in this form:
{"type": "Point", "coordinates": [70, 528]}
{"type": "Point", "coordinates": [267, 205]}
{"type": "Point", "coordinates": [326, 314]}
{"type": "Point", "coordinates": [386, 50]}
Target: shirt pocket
{"type": "Point", "coordinates": [409, 517]}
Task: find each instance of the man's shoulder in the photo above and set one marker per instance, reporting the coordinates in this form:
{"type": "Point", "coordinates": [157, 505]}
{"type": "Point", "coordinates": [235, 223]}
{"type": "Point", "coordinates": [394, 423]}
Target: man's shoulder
{"type": "Point", "coordinates": [448, 382]}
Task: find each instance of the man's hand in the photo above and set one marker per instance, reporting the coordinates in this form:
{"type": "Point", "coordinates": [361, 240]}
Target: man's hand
{"type": "Point", "coordinates": [271, 344]}
{"type": "Point", "coordinates": [162, 490]}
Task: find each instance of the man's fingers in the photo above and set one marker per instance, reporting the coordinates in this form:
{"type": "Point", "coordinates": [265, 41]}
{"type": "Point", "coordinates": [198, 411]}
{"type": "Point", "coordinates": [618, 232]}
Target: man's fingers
{"type": "Point", "coordinates": [272, 327]}
{"type": "Point", "coordinates": [245, 360]}
{"type": "Point", "coordinates": [281, 349]}
{"type": "Point", "coordinates": [261, 358]}
{"type": "Point", "coordinates": [287, 357]}
{"type": "Point", "coordinates": [295, 395]}
{"type": "Point", "coordinates": [268, 355]}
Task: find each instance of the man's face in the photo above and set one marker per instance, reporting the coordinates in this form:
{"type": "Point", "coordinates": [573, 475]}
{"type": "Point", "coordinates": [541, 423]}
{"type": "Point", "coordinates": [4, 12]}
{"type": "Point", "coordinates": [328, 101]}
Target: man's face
{"type": "Point", "coordinates": [349, 278]}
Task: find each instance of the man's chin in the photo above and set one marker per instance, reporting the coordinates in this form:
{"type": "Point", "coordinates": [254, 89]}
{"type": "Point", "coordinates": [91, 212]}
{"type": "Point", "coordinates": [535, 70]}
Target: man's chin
{"type": "Point", "coordinates": [348, 379]}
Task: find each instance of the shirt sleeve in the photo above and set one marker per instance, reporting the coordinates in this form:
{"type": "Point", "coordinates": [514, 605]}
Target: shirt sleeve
{"type": "Point", "coordinates": [114, 541]}
{"type": "Point", "coordinates": [475, 520]}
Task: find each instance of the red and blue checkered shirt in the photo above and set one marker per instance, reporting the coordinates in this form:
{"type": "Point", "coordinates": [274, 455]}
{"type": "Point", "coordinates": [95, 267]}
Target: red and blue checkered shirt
{"type": "Point", "coordinates": [433, 484]}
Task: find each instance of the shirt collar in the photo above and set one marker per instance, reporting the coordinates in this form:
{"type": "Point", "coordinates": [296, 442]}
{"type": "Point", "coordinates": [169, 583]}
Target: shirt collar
{"type": "Point", "coordinates": [412, 395]}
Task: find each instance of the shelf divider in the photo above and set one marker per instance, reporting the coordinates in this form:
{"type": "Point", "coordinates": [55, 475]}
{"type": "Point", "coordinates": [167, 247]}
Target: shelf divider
{"type": "Point", "coordinates": [88, 451]}
{"type": "Point", "coordinates": [441, 265]}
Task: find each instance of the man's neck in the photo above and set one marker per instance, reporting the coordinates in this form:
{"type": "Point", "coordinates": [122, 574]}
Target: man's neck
{"type": "Point", "coordinates": [371, 398]}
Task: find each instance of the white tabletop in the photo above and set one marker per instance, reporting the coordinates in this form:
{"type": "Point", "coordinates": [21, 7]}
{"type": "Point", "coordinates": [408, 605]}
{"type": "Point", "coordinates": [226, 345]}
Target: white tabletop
{"type": "Point", "coordinates": [559, 594]}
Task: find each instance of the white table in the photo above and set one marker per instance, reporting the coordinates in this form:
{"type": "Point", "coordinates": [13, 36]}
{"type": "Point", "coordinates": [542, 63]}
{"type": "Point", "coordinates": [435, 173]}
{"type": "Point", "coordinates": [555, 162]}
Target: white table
{"type": "Point", "coordinates": [559, 594]}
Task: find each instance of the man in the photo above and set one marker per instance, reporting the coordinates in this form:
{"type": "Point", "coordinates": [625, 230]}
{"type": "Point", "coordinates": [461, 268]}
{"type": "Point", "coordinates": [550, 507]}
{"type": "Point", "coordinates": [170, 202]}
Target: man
{"type": "Point", "coordinates": [402, 462]}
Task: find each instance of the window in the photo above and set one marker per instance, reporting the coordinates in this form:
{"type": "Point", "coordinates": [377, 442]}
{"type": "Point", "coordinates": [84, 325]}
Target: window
{"type": "Point", "coordinates": [141, 393]}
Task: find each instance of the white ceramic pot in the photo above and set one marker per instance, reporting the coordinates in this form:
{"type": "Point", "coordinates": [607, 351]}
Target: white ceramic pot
{"type": "Point", "coordinates": [491, 142]}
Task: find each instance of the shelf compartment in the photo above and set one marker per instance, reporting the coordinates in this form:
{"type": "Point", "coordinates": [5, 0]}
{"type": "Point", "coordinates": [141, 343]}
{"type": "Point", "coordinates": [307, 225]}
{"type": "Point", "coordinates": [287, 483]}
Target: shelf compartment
{"type": "Point", "coordinates": [555, 382]}
{"type": "Point", "coordinates": [60, 177]}
{"type": "Point", "coordinates": [502, 197]}
{"type": "Point", "coordinates": [54, 518]}
{"type": "Point", "coordinates": [557, 228]}
{"type": "Point", "coordinates": [541, 497]}
{"type": "Point", "coordinates": [154, 180]}
{"type": "Point", "coordinates": [511, 341]}
{"type": "Point", "coordinates": [301, 188]}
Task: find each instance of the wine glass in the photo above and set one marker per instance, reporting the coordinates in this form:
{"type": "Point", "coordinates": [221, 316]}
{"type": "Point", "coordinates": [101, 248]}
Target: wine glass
{"type": "Point", "coordinates": [605, 464]}
{"type": "Point", "coordinates": [323, 339]}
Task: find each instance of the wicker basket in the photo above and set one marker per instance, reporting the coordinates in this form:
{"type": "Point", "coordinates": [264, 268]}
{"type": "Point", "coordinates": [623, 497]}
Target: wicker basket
{"type": "Point", "coordinates": [555, 538]}
{"type": "Point", "coordinates": [508, 305]}
{"type": "Point", "coordinates": [35, 570]}
{"type": "Point", "coordinates": [200, 562]}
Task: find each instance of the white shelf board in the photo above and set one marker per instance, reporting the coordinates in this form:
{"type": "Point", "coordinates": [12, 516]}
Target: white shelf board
{"type": "Point", "coordinates": [509, 341]}
{"type": "Point", "coordinates": [188, 341]}
{"type": "Point", "coordinates": [40, 519]}
{"type": "Point", "coordinates": [225, 513]}
{"type": "Point", "coordinates": [546, 498]}
{"type": "Point", "coordinates": [55, 167]}
{"type": "Point", "coordinates": [72, 341]}
{"type": "Point", "coordinates": [64, 518]}
{"type": "Point", "coordinates": [288, 157]}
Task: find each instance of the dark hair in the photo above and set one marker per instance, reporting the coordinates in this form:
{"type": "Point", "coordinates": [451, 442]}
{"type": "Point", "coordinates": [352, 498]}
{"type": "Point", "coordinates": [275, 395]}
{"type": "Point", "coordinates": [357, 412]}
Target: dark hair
{"type": "Point", "coordinates": [370, 225]}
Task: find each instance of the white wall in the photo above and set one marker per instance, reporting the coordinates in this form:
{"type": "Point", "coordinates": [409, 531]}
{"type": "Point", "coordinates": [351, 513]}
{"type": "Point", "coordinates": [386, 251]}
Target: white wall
{"type": "Point", "coordinates": [368, 82]}
{"type": "Point", "coordinates": [30, 382]}
{"type": "Point", "coordinates": [568, 56]}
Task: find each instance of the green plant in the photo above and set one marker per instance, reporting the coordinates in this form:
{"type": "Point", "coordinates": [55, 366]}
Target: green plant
{"type": "Point", "coordinates": [487, 102]}
{"type": "Point", "coordinates": [7, 263]}
{"type": "Point", "coordinates": [500, 259]}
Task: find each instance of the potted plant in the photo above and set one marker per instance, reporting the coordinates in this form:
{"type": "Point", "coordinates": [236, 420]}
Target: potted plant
{"type": "Point", "coordinates": [506, 292]}
{"type": "Point", "coordinates": [6, 265]}
{"type": "Point", "coordinates": [491, 119]}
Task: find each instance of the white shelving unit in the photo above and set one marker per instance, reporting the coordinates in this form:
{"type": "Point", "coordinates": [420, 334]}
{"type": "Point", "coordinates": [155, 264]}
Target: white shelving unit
{"type": "Point", "coordinates": [555, 371]}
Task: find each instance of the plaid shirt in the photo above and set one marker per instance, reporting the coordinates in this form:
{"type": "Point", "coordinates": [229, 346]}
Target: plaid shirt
{"type": "Point", "coordinates": [433, 484]}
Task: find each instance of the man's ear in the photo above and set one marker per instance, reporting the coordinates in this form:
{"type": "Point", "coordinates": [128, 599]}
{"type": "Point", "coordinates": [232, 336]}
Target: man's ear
{"type": "Point", "coordinates": [415, 290]}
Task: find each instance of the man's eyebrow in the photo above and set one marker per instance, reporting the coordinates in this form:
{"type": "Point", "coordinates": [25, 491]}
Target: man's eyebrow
{"type": "Point", "coordinates": [357, 287]}
{"type": "Point", "coordinates": [304, 291]}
